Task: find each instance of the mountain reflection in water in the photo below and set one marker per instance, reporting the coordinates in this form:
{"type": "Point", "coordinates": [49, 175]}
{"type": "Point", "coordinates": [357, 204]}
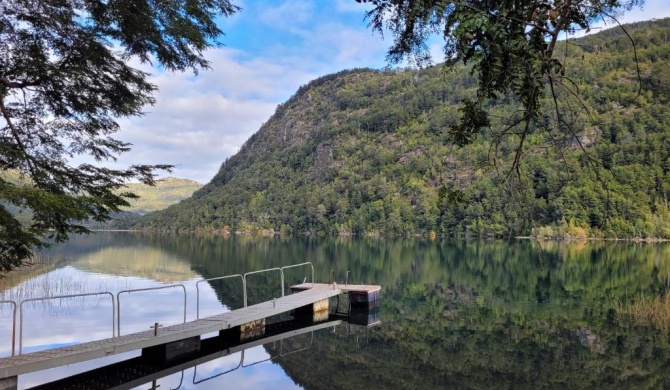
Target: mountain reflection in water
{"type": "Point", "coordinates": [455, 313]}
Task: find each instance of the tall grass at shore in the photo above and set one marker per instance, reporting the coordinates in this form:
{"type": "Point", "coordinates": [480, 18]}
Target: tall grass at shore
{"type": "Point", "coordinates": [649, 312]}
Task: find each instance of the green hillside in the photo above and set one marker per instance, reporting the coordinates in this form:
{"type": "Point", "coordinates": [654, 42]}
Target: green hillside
{"type": "Point", "coordinates": [369, 152]}
{"type": "Point", "coordinates": [166, 192]}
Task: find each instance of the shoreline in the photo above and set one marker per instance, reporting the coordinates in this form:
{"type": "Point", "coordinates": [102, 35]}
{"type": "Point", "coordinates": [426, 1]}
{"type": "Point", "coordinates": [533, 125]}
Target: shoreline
{"type": "Point", "coordinates": [249, 233]}
{"type": "Point", "coordinates": [637, 239]}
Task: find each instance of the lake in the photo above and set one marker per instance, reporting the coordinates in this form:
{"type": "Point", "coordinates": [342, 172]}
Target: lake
{"type": "Point", "coordinates": [455, 314]}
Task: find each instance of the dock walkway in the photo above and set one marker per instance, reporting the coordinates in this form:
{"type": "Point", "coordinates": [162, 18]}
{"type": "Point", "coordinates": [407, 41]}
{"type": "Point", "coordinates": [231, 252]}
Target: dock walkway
{"type": "Point", "coordinates": [41, 360]}
{"type": "Point", "coordinates": [140, 370]}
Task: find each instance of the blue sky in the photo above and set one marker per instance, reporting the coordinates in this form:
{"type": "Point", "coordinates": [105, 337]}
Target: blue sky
{"type": "Point", "coordinates": [271, 49]}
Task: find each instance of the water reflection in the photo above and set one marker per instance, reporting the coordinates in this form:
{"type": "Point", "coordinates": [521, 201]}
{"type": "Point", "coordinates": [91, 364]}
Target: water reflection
{"type": "Point", "coordinates": [217, 357]}
{"type": "Point", "coordinates": [456, 314]}
{"type": "Point", "coordinates": [137, 261]}
{"type": "Point", "coordinates": [90, 264]}
{"type": "Point", "coordinates": [217, 368]}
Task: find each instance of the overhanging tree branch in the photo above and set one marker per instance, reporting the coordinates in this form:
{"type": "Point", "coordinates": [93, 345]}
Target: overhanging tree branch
{"type": "Point", "coordinates": [74, 86]}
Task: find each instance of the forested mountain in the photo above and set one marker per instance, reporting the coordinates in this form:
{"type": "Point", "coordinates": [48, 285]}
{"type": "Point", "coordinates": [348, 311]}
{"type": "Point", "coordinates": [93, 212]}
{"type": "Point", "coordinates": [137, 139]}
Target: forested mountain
{"type": "Point", "coordinates": [369, 152]}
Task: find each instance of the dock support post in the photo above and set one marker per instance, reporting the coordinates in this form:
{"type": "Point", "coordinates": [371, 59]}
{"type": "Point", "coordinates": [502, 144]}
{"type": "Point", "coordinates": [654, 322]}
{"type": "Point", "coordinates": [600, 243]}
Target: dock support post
{"type": "Point", "coordinates": [252, 330]}
{"type": "Point", "coordinates": [172, 350]}
{"type": "Point", "coordinates": [367, 299]}
{"type": "Point", "coordinates": [245, 332]}
{"type": "Point", "coordinates": [10, 383]}
{"type": "Point", "coordinates": [317, 312]}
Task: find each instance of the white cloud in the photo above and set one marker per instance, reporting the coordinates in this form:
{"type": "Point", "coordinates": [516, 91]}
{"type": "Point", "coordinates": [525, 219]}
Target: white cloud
{"type": "Point", "coordinates": [199, 121]}
{"type": "Point", "coordinates": [651, 9]}
{"type": "Point", "coordinates": [288, 14]}
{"type": "Point", "coordinates": [346, 46]}
{"type": "Point", "coordinates": [436, 50]}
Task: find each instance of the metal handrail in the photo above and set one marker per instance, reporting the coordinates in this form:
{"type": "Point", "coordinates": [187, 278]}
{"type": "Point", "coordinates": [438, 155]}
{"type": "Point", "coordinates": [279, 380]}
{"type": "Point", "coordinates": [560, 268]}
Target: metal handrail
{"type": "Point", "coordinates": [197, 289]}
{"type": "Point", "coordinates": [181, 381]}
{"type": "Point", "coordinates": [58, 297]}
{"type": "Point", "coordinates": [258, 272]}
{"type": "Point", "coordinates": [118, 307]}
{"type": "Point", "coordinates": [261, 361]}
{"type": "Point", "coordinates": [281, 347]}
{"type": "Point", "coordinates": [293, 266]}
{"type": "Point", "coordinates": [281, 352]}
{"type": "Point", "coordinates": [14, 324]}
{"type": "Point", "coordinates": [195, 371]}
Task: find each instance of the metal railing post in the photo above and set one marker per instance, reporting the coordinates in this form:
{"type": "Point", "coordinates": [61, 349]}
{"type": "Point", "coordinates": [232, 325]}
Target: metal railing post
{"type": "Point", "coordinates": [293, 266]}
{"type": "Point", "coordinates": [281, 348]}
{"type": "Point", "coordinates": [261, 361]}
{"type": "Point", "coordinates": [13, 324]}
{"type": "Point", "coordinates": [197, 290]}
{"type": "Point", "coordinates": [257, 272]}
{"type": "Point", "coordinates": [244, 286]}
{"type": "Point", "coordinates": [118, 301]}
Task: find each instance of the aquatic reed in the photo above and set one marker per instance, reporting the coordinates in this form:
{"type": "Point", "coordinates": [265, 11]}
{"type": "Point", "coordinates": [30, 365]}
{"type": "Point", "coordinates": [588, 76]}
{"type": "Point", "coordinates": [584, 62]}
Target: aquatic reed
{"type": "Point", "coordinates": [647, 311]}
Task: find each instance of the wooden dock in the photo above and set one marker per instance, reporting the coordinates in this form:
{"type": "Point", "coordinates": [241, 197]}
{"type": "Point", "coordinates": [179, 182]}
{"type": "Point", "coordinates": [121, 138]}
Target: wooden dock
{"type": "Point", "coordinates": [140, 370]}
{"type": "Point", "coordinates": [310, 297]}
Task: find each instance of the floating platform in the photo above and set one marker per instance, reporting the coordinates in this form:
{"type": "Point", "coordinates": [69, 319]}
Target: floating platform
{"type": "Point", "coordinates": [360, 295]}
{"type": "Point", "coordinates": [311, 298]}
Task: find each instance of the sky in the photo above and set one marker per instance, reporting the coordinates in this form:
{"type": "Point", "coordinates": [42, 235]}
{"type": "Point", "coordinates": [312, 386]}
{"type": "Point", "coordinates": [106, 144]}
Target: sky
{"type": "Point", "coordinates": [270, 49]}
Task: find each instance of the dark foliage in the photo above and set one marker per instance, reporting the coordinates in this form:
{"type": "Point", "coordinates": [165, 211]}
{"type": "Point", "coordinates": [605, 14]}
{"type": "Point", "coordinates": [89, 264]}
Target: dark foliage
{"type": "Point", "coordinates": [63, 81]}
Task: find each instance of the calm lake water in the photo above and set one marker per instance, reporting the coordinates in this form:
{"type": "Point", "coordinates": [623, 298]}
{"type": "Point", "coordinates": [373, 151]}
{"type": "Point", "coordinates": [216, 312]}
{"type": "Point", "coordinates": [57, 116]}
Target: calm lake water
{"type": "Point", "coordinates": [455, 314]}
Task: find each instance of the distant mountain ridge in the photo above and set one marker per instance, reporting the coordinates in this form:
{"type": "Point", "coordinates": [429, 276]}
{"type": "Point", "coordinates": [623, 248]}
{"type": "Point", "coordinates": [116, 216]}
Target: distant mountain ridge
{"type": "Point", "coordinates": [167, 191]}
{"type": "Point", "coordinates": [367, 152]}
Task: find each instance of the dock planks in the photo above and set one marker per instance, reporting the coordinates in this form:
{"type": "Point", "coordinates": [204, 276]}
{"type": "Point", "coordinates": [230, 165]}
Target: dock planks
{"type": "Point", "coordinates": [41, 360]}
{"type": "Point", "coordinates": [345, 288]}
{"type": "Point", "coordinates": [105, 378]}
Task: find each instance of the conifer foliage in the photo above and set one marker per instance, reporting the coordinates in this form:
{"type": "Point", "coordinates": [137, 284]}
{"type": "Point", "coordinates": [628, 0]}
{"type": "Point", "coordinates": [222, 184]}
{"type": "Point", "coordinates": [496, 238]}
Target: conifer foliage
{"type": "Point", "coordinates": [64, 79]}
